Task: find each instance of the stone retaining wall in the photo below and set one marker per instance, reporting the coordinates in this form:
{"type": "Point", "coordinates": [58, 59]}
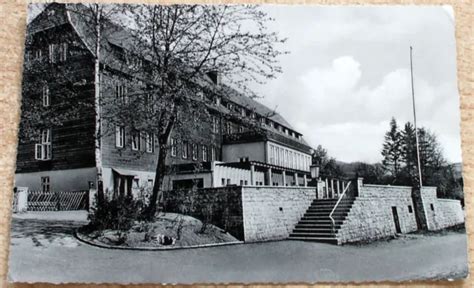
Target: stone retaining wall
{"type": "Point", "coordinates": [441, 213]}
{"type": "Point", "coordinates": [271, 213]}
{"type": "Point", "coordinates": [371, 215]}
{"type": "Point", "coordinates": [250, 213]}
{"type": "Point", "coordinates": [220, 206]}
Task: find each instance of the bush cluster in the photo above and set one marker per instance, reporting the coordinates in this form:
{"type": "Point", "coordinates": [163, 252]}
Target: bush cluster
{"type": "Point", "coordinates": [116, 214]}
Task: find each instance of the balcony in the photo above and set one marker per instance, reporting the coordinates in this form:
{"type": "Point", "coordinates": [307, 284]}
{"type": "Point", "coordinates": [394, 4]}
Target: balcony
{"type": "Point", "coordinates": [265, 135]}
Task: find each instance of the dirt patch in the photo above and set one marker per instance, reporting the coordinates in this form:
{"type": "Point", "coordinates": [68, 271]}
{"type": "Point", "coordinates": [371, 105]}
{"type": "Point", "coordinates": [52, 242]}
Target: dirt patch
{"type": "Point", "coordinates": [168, 230]}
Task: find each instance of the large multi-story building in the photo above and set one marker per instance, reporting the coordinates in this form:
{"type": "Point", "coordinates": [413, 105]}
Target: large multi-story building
{"type": "Point", "coordinates": [64, 157]}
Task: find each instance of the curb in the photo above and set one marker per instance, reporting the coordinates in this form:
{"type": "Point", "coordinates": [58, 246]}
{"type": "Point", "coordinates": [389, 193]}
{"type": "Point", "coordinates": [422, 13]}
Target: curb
{"type": "Point", "coordinates": [87, 240]}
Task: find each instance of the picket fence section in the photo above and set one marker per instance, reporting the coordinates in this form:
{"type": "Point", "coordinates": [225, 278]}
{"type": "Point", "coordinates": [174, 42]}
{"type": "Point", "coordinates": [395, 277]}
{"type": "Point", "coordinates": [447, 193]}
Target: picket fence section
{"type": "Point", "coordinates": [58, 200]}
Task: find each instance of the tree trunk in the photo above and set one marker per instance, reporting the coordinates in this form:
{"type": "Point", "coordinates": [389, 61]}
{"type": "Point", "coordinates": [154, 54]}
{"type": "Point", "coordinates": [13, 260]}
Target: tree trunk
{"type": "Point", "coordinates": [158, 183]}
{"type": "Point", "coordinates": [98, 125]}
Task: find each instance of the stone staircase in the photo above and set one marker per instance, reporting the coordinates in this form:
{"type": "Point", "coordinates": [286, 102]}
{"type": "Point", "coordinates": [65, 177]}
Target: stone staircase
{"type": "Point", "coordinates": [315, 225]}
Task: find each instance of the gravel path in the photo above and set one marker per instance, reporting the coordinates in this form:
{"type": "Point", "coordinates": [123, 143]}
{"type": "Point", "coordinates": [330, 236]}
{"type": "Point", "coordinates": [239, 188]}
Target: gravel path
{"type": "Point", "coordinates": [44, 250]}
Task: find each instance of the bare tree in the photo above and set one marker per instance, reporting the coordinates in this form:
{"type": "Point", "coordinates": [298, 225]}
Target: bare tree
{"type": "Point", "coordinates": [178, 45]}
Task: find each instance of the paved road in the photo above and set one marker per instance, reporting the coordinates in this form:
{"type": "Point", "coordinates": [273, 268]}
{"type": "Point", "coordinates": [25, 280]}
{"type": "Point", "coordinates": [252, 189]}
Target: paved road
{"type": "Point", "coordinates": [43, 250]}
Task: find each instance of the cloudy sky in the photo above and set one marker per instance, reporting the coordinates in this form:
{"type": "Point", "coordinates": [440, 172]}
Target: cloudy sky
{"type": "Point", "coordinates": [348, 73]}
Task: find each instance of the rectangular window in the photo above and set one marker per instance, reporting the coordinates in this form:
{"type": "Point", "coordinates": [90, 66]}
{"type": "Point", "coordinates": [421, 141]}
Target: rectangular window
{"type": "Point", "coordinates": [52, 53]}
{"type": "Point", "coordinates": [149, 142]}
{"type": "Point", "coordinates": [119, 136]}
{"type": "Point", "coordinates": [185, 150]}
{"type": "Point", "coordinates": [410, 209]}
{"type": "Point", "coordinates": [38, 54]}
{"type": "Point", "coordinates": [241, 182]}
{"type": "Point", "coordinates": [136, 140]}
{"type": "Point", "coordinates": [46, 98]}
{"type": "Point", "coordinates": [195, 151]}
{"type": "Point", "coordinates": [205, 155]}
{"type": "Point", "coordinates": [121, 93]}
{"type": "Point", "coordinates": [223, 181]}
{"type": "Point", "coordinates": [149, 101]}
{"type": "Point", "coordinates": [173, 147]}
{"type": "Point", "coordinates": [215, 124]}
{"type": "Point", "coordinates": [45, 184]}
{"type": "Point", "coordinates": [228, 182]}
{"type": "Point", "coordinates": [432, 207]}
{"type": "Point", "coordinates": [43, 149]}
{"type": "Point", "coordinates": [272, 154]}
{"type": "Point", "coordinates": [150, 183]}
{"type": "Point", "coordinates": [62, 52]}
{"type": "Point", "coordinates": [213, 153]}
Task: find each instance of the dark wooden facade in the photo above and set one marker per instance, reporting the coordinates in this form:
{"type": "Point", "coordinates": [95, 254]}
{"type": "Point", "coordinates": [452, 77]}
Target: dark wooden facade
{"type": "Point", "coordinates": [73, 143]}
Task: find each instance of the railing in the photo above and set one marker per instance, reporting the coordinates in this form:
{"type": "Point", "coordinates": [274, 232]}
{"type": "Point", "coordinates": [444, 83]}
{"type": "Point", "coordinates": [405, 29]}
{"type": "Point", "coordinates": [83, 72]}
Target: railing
{"type": "Point", "coordinates": [333, 223]}
{"type": "Point", "coordinates": [331, 188]}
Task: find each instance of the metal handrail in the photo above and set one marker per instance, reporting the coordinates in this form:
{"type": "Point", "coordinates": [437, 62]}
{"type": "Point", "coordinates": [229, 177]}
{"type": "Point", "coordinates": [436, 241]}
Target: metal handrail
{"type": "Point", "coordinates": [337, 204]}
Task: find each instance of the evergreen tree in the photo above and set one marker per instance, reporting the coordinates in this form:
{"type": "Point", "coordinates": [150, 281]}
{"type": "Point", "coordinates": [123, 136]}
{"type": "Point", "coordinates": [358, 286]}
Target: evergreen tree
{"type": "Point", "coordinates": [392, 150]}
{"type": "Point", "coordinates": [409, 172]}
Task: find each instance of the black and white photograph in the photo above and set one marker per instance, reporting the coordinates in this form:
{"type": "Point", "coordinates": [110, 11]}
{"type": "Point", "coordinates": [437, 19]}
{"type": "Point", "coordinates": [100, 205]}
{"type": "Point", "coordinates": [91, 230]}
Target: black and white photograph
{"type": "Point", "coordinates": [232, 143]}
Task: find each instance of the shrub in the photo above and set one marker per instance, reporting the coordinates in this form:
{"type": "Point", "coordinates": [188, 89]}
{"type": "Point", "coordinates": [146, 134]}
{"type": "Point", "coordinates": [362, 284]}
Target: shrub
{"type": "Point", "coordinates": [116, 214]}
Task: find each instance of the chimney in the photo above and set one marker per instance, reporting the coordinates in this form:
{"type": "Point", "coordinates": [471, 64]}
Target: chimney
{"type": "Point", "coordinates": [215, 77]}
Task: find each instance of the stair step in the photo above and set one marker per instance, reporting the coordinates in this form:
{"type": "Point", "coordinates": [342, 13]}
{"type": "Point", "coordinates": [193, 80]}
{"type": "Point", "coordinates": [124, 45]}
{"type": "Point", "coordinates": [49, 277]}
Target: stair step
{"type": "Point", "coordinates": [312, 234]}
{"type": "Point", "coordinates": [320, 221]}
{"type": "Point", "coordinates": [330, 240]}
{"type": "Point", "coordinates": [320, 226]}
{"type": "Point", "coordinates": [324, 213]}
{"type": "Point", "coordinates": [329, 207]}
{"type": "Point", "coordinates": [312, 230]}
{"type": "Point", "coordinates": [319, 217]}
{"type": "Point", "coordinates": [315, 225]}
{"type": "Point", "coordinates": [332, 200]}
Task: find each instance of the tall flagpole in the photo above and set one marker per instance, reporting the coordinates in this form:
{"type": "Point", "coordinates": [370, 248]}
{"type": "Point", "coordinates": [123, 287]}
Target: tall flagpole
{"type": "Point", "coordinates": [414, 119]}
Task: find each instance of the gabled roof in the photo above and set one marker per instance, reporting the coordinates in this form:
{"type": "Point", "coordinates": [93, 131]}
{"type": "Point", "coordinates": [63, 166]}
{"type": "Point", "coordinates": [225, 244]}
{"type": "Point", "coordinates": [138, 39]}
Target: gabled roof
{"type": "Point", "coordinates": [82, 20]}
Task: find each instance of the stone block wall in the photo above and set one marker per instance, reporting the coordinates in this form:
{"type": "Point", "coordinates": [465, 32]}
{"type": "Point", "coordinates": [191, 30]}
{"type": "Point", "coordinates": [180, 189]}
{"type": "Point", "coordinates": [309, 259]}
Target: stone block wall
{"type": "Point", "coordinates": [271, 213]}
{"type": "Point", "coordinates": [250, 213]}
{"type": "Point", "coordinates": [220, 206]}
{"type": "Point", "coordinates": [441, 213]}
{"type": "Point", "coordinates": [371, 215]}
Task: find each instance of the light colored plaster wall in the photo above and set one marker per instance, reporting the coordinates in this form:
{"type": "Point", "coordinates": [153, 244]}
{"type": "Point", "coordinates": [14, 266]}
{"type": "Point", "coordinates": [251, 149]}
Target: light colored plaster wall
{"type": "Point", "coordinates": [254, 151]}
{"type": "Point", "coordinates": [60, 180]}
{"type": "Point", "coordinates": [271, 213]}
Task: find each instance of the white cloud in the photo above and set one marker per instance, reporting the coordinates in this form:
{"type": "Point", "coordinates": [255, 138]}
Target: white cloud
{"type": "Point", "coordinates": [349, 119]}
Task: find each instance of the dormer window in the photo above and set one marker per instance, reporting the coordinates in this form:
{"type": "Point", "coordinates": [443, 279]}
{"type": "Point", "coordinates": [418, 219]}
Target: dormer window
{"type": "Point", "coordinates": [217, 100]}
{"type": "Point", "coordinates": [243, 112]}
{"type": "Point", "coordinates": [230, 106]}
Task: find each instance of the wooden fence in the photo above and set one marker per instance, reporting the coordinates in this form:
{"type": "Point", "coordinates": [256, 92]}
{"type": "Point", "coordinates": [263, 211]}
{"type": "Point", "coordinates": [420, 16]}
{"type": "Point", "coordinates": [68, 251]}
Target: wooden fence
{"type": "Point", "coordinates": [58, 201]}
